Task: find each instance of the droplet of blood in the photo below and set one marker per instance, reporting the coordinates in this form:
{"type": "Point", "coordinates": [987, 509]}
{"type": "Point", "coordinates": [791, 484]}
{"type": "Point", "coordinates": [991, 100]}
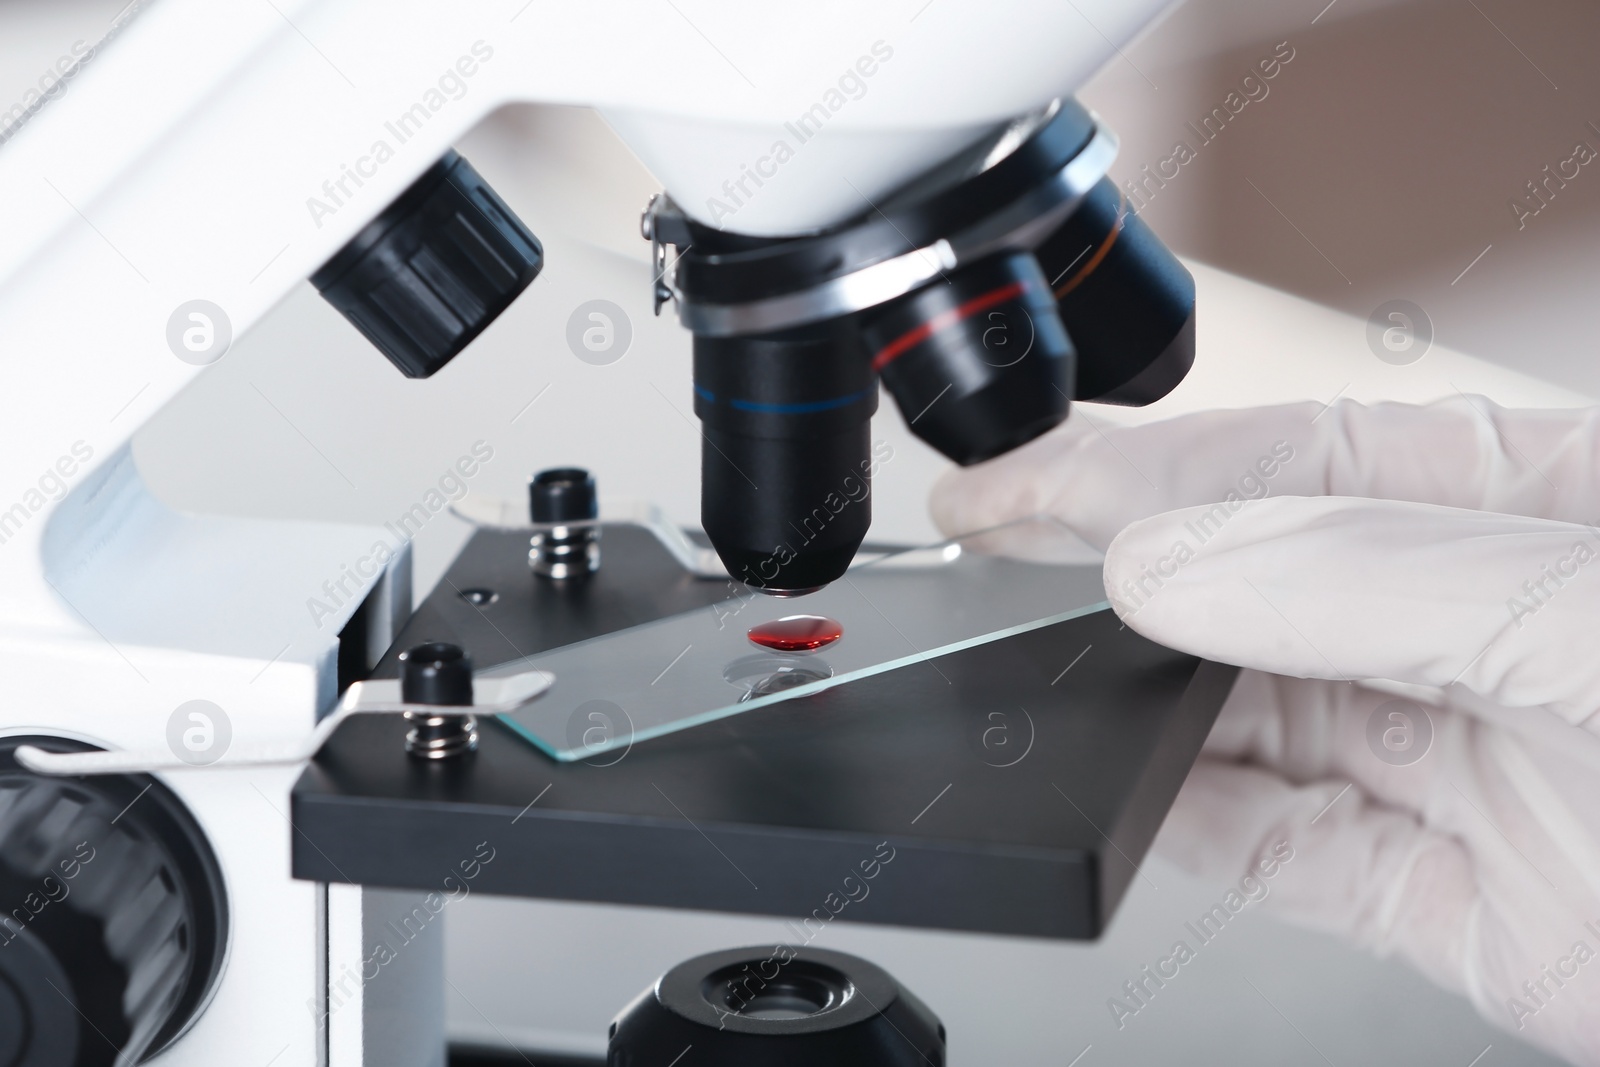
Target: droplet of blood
{"type": "Point", "coordinates": [797, 633]}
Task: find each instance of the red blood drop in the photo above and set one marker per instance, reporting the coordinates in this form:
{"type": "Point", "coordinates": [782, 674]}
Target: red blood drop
{"type": "Point", "coordinates": [797, 633]}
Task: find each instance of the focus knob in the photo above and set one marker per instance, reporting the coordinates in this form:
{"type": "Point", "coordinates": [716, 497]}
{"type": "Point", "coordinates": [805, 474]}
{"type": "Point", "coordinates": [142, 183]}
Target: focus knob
{"type": "Point", "coordinates": [113, 917]}
{"type": "Point", "coordinates": [429, 274]}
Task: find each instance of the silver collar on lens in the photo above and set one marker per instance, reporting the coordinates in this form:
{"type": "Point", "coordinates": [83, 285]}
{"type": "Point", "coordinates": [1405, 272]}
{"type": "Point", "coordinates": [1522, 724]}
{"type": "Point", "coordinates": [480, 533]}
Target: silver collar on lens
{"type": "Point", "coordinates": [1021, 224]}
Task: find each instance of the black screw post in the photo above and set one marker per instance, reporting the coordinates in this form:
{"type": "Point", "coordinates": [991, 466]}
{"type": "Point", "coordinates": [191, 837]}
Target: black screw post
{"type": "Point", "coordinates": [438, 673]}
{"type": "Point", "coordinates": [562, 495]}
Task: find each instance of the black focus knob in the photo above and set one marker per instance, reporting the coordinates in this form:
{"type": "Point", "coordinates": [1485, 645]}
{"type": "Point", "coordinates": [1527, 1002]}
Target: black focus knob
{"type": "Point", "coordinates": [563, 494]}
{"type": "Point", "coordinates": [113, 916]}
{"type": "Point", "coordinates": [434, 269]}
{"type": "Point", "coordinates": [436, 673]}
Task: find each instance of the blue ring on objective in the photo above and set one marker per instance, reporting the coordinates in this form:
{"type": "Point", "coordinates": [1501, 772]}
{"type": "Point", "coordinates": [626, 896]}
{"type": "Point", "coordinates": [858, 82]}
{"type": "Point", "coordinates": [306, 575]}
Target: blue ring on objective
{"type": "Point", "coordinates": [807, 408]}
{"type": "Point", "coordinates": [704, 394]}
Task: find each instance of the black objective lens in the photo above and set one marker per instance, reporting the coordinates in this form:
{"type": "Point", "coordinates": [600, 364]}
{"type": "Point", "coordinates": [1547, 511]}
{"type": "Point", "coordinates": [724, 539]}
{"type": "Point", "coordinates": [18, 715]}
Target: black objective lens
{"type": "Point", "coordinates": [979, 363]}
{"type": "Point", "coordinates": [786, 466]}
{"type": "Point", "coordinates": [1125, 299]}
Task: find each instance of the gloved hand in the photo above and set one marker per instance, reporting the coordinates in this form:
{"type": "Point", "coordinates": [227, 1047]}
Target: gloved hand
{"type": "Point", "coordinates": [1448, 550]}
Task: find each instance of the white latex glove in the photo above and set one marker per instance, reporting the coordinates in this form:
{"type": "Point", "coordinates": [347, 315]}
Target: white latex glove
{"type": "Point", "coordinates": [1443, 548]}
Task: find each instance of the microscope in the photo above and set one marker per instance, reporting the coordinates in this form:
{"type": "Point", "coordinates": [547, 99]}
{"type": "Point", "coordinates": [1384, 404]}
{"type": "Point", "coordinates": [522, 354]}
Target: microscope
{"type": "Point", "coordinates": [904, 195]}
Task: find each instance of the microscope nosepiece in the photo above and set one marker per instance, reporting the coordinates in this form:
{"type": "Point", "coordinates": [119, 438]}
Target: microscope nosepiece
{"type": "Point", "coordinates": [990, 293]}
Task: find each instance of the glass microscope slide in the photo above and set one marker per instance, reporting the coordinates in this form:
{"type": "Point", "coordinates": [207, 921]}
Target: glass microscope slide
{"type": "Point", "coordinates": [622, 688]}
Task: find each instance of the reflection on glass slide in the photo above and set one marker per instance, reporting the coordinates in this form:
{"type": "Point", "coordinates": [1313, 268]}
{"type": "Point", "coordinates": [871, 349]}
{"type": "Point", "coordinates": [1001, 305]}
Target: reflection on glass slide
{"type": "Point", "coordinates": [751, 651]}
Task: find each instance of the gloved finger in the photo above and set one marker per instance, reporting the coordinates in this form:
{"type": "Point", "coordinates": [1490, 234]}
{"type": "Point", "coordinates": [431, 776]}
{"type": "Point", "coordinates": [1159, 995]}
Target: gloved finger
{"type": "Point", "coordinates": [1351, 589]}
{"type": "Point", "coordinates": [1344, 865]}
{"type": "Point", "coordinates": [1308, 730]}
{"type": "Point", "coordinates": [1461, 774]}
{"type": "Point", "coordinates": [1462, 452]}
{"type": "Point", "coordinates": [1327, 858]}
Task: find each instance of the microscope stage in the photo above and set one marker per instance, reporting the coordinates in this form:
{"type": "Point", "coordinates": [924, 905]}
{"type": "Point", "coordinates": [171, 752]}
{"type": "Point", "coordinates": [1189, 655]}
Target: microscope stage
{"type": "Point", "coordinates": [1005, 788]}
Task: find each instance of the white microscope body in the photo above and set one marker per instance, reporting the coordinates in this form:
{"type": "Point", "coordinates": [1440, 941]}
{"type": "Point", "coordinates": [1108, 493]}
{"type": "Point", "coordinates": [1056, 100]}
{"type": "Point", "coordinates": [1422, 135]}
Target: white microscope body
{"type": "Point", "coordinates": [223, 152]}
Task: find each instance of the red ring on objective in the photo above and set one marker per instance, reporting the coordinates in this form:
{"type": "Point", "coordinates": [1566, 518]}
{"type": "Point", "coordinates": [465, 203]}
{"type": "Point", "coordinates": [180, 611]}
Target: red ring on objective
{"type": "Point", "coordinates": [1101, 252]}
{"type": "Point", "coordinates": [797, 633]}
{"type": "Point", "coordinates": [944, 320]}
